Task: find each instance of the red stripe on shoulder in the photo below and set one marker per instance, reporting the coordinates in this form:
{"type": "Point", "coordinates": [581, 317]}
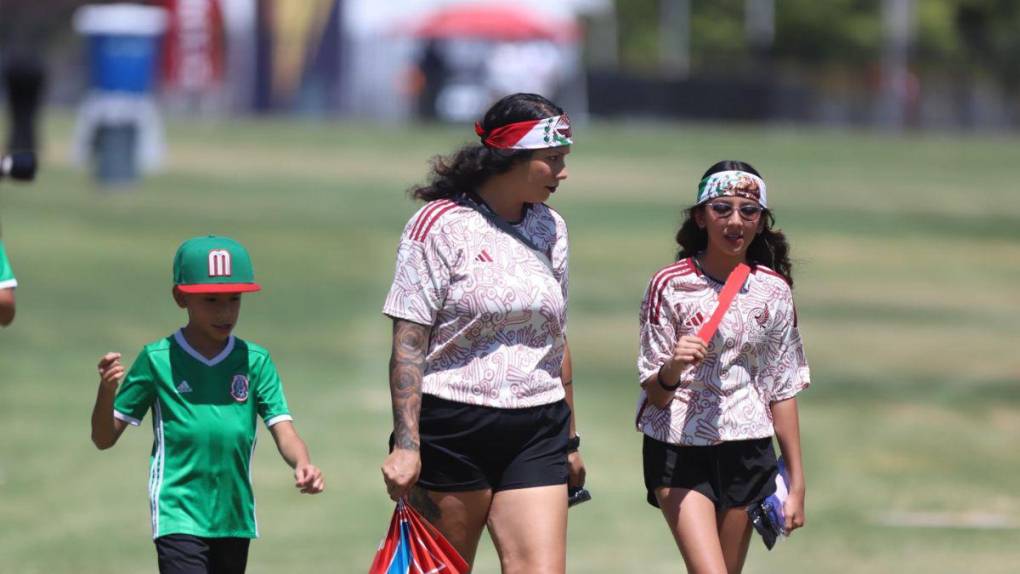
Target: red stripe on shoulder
{"type": "Point", "coordinates": [683, 264]}
{"type": "Point", "coordinates": [768, 271]}
{"type": "Point", "coordinates": [427, 216]}
{"type": "Point", "coordinates": [656, 306]}
{"type": "Point", "coordinates": [423, 214]}
{"type": "Point", "coordinates": [659, 282]}
{"type": "Point", "coordinates": [433, 217]}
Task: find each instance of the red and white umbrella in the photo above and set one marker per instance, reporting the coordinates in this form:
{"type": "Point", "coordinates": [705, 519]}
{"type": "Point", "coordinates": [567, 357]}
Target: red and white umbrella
{"type": "Point", "coordinates": [494, 21]}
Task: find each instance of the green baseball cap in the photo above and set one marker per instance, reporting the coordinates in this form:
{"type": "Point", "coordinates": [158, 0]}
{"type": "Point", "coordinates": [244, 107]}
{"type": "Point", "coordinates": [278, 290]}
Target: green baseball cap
{"type": "Point", "coordinates": [213, 264]}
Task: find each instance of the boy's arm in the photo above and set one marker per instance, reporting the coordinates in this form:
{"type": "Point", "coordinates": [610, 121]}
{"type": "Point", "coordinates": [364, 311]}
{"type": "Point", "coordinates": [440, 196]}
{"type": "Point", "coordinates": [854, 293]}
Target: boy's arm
{"type": "Point", "coordinates": [105, 428]}
{"type": "Point", "coordinates": [6, 307]}
{"type": "Point", "coordinates": [307, 476]}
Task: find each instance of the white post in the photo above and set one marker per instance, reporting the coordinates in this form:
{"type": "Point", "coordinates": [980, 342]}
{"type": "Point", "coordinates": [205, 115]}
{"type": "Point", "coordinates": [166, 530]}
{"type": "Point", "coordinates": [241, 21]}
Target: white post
{"type": "Point", "coordinates": [897, 32]}
{"type": "Point", "coordinates": [760, 22]}
{"type": "Point", "coordinates": [675, 37]}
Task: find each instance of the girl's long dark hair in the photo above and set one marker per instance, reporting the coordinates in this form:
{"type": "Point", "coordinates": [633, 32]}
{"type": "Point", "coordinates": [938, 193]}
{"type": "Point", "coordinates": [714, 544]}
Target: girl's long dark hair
{"type": "Point", "coordinates": [468, 168]}
{"type": "Point", "coordinates": [769, 247]}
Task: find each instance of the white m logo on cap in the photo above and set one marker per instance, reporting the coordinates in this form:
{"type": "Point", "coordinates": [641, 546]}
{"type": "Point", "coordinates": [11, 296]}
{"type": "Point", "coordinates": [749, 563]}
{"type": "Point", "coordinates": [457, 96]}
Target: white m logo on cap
{"type": "Point", "coordinates": [219, 263]}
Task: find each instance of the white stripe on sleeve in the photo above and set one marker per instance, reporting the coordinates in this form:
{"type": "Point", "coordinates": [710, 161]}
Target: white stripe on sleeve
{"type": "Point", "coordinates": [129, 420]}
{"type": "Point", "coordinates": [278, 419]}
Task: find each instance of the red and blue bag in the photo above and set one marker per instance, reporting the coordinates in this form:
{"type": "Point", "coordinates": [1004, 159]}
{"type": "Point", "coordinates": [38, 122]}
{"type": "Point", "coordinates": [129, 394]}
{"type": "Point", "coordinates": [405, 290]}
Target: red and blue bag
{"type": "Point", "coordinates": [413, 546]}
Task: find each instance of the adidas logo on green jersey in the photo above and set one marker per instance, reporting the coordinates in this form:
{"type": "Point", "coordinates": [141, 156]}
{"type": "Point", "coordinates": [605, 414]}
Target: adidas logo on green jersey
{"type": "Point", "coordinates": [184, 387]}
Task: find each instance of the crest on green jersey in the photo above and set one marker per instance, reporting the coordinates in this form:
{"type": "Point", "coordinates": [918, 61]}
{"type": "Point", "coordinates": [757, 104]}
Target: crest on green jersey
{"type": "Point", "coordinates": [239, 388]}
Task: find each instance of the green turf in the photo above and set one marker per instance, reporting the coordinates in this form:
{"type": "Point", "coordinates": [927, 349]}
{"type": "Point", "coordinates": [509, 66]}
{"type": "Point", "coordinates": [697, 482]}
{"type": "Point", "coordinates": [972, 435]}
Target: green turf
{"type": "Point", "coordinates": [907, 260]}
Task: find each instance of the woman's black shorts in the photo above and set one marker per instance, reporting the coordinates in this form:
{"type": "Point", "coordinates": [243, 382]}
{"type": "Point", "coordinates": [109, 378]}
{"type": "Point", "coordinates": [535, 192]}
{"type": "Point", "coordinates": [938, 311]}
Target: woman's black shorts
{"type": "Point", "coordinates": [730, 474]}
{"type": "Point", "coordinates": [470, 447]}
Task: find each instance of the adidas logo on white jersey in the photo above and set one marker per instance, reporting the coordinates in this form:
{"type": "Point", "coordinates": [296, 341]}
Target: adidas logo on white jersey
{"type": "Point", "coordinates": [184, 387]}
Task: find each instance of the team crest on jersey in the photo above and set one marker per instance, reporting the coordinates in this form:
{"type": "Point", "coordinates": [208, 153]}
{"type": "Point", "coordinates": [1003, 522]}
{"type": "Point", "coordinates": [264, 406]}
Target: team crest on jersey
{"type": "Point", "coordinates": [239, 388]}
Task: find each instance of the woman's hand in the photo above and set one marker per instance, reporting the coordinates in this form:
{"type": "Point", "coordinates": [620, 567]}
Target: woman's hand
{"type": "Point", "coordinates": [400, 472]}
{"type": "Point", "coordinates": [575, 468]}
{"type": "Point", "coordinates": [793, 509]}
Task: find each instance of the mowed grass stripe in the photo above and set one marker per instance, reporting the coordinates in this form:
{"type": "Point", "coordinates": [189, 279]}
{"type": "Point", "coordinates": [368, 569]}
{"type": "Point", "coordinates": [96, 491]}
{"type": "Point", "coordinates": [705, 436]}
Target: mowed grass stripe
{"type": "Point", "coordinates": [905, 273]}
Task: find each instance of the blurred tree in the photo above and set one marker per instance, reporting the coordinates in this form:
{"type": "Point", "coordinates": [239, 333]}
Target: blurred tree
{"type": "Point", "coordinates": [834, 33]}
{"type": "Point", "coordinates": [638, 25]}
{"type": "Point", "coordinates": [990, 36]}
{"type": "Point", "coordinates": [807, 32]}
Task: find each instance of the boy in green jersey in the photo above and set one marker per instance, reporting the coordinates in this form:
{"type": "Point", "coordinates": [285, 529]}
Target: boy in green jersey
{"type": "Point", "coordinates": [205, 389]}
{"type": "Point", "coordinates": [7, 285]}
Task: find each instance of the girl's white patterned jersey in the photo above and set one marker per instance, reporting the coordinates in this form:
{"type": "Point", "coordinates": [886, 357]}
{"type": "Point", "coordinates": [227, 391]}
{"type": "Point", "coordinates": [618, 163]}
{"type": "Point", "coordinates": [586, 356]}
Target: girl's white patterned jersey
{"type": "Point", "coordinates": [496, 308]}
{"type": "Point", "coordinates": [755, 358]}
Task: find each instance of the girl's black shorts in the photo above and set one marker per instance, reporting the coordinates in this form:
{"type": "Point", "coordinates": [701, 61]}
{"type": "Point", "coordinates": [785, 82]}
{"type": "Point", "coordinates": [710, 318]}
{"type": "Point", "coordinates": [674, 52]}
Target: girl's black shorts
{"type": "Point", "coordinates": [469, 447]}
{"type": "Point", "coordinates": [730, 474]}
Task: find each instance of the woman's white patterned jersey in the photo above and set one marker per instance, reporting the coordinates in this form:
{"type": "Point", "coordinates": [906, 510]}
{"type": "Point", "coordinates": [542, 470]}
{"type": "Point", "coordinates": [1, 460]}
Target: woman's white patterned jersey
{"type": "Point", "coordinates": [755, 358]}
{"type": "Point", "coordinates": [496, 307]}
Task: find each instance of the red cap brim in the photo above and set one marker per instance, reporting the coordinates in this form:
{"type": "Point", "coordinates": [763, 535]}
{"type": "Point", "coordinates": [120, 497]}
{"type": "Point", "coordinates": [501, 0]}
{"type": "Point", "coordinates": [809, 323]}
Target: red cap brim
{"type": "Point", "coordinates": [219, 288]}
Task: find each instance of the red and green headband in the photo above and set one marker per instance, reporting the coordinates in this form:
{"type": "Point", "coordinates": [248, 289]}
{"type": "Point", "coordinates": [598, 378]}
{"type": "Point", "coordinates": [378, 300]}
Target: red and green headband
{"type": "Point", "coordinates": [531, 134]}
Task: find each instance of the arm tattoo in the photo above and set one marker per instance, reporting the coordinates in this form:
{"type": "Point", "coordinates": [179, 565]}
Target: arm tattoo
{"type": "Point", "coordinates": [407, 367]}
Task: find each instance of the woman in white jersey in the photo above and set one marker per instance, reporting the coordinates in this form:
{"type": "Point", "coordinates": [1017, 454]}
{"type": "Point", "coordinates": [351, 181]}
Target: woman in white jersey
{"type": "Point", "coordinates": [480, 375]}
{"type": "Point", "coordinates": [709, 409]}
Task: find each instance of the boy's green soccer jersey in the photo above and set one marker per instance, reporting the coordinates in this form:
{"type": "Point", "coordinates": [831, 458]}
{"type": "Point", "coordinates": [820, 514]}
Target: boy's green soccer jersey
{"type": "Point", "coordinates": [7, 280]}
{"type": "Point", "coordinates": [203, 418]}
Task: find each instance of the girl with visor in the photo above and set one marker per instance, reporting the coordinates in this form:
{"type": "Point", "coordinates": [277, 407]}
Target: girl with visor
{"type": "Point", "coordinates": [709, 409]}
{"type": "Point", "coordinates": [480, 373]}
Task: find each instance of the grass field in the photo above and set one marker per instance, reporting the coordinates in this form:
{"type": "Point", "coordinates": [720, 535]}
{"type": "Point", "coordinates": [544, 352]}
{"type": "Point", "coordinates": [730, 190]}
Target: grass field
{"type": "Point", "coordinates": [907, 261]}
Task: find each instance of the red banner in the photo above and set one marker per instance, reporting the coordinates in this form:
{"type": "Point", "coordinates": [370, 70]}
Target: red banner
{"type": "Point", "coordinates": [193, 49]}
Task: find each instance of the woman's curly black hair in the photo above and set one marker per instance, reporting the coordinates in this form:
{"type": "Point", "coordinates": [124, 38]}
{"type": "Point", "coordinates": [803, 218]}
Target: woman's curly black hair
{"type": "Point", "coordinates": [467, 169]}
{"type": "Point", "coordinates": [769, 247]}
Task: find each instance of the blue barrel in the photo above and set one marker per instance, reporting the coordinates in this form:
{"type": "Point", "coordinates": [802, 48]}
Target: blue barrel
{"type": "Point", "coordinates": [123, 45]}
{"type": "Point", "coordinates": [123, 63]}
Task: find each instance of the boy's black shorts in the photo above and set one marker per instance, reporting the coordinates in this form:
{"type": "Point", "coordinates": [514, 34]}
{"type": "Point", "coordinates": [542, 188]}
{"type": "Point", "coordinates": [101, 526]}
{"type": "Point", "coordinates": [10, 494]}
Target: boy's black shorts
{"type": "Point", "coordinates": [470, 447]}
{"type": "Point", "coordinates": [731, 474]}
{"type": "Point", "coordinates": [187, 554]}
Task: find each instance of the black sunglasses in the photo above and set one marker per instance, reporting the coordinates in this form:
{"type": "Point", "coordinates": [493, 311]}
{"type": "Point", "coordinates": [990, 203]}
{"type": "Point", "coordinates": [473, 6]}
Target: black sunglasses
{"type": "Point", "coordinates": [747, 212]}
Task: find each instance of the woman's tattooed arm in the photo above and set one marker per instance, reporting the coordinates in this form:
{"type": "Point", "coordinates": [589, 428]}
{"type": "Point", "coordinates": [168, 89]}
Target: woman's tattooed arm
{"type": "Point", "coordinates": [407, 367]}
